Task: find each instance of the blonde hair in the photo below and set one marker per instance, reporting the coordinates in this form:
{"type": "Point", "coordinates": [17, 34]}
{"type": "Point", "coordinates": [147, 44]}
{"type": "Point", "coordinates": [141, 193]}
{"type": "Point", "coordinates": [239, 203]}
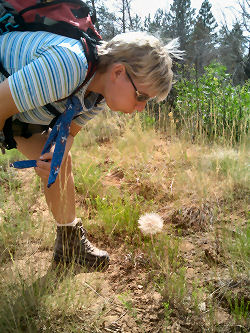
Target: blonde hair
{"type": "Point", "coordinates": [144, 56]}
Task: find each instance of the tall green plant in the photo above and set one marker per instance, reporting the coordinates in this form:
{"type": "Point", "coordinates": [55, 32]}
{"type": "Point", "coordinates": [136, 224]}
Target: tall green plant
{"type": "Point", "coordinates": [212, 107]}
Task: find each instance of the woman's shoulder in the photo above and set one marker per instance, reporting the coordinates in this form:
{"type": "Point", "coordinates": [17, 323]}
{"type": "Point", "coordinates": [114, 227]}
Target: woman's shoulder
{"type": "Point", "coordinates": [44, 39]}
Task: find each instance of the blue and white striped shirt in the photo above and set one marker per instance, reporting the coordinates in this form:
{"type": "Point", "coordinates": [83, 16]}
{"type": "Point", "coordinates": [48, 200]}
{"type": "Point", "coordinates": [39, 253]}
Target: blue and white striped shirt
{"type": "Point", "coordinates": [45, 68]}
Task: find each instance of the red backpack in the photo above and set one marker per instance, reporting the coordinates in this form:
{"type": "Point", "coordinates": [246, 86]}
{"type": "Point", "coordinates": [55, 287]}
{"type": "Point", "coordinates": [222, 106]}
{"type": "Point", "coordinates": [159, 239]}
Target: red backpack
{"type": "Point", "coordinates": [67, 18]}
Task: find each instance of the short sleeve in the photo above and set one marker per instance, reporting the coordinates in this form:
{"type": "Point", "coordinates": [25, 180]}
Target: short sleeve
{"type": "Point", "coordinates": [52, 76]}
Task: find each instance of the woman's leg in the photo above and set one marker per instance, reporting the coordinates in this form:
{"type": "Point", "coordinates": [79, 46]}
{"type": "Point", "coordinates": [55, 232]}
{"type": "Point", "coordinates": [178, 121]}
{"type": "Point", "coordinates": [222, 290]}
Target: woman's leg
{"type": "Point", "coordinates": [71, 241]}
{"type": "Point", "coordinates": [60, 196]}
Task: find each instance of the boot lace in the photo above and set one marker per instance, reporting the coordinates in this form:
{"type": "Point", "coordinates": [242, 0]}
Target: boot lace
{"type": "Point", "coordinates": [84, 240]}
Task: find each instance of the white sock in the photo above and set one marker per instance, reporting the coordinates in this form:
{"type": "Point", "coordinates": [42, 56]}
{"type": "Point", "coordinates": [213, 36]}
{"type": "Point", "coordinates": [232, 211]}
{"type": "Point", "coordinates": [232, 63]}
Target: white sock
{"type": "Point", "coordinates": [71, 224]}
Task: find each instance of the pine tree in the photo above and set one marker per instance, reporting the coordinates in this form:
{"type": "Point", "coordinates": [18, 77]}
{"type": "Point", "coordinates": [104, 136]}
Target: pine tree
{"type": "Point", "coordinates": [245, 19]}
{"type": "Point", "coordinates": [105, 21]}
{"type": "Point", "coordinates": [201, 49]}
{"type": "Point", "coordinates": [137, 23]}
{"type": "Point", "coordinates": [206, 20]}
{"type": "Point", "coordinates": [180, 21]}
{"type": "Point", "coordinates": [108, 26]}
{"type": "Point", "coordinates": [155, 26]}
{"type": "Point", "coordinates": [147, 22]}
{"type": "Point", "coordinates": [231, 50]}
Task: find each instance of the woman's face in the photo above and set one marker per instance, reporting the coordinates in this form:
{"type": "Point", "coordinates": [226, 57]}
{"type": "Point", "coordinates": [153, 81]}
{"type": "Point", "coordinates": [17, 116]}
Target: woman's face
{"type": "Point", "coordinates": [120, 94]}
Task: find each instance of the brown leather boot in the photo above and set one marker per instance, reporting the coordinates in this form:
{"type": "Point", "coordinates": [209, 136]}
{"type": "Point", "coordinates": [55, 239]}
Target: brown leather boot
{"type": "Point", "coordinates": [72, 245]}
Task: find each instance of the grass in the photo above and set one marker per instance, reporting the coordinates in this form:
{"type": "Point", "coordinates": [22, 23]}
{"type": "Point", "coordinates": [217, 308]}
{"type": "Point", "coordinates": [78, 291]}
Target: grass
{"type": "Point", "coordinates": [51, 303]}
{"type": "Point", "coordinates": [194, 274]}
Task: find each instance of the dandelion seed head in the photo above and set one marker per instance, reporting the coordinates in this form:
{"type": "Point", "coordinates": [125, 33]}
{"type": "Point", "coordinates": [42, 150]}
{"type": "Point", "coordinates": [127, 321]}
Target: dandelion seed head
{"type": "Point", "coordinates": [150, 223]}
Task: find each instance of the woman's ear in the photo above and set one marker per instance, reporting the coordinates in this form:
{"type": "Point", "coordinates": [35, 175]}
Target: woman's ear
{"type": "Point", "coordinates": [116, 71]}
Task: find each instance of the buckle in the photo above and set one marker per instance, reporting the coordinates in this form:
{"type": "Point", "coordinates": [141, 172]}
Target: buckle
{"type": "Point", "coordinates": [8, 26]}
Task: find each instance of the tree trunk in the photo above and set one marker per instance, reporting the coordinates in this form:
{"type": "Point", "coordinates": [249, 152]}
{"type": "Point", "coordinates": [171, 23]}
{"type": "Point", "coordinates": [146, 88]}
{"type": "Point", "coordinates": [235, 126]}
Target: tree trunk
{"type": "Point", "coordinates": [247, 65]}
{"type": "Point", "coordinates": [129, 14]}
{"type": "Point", "coordinates": [123, 16]}
{"type": "Point", "coordinates": [94, 18]}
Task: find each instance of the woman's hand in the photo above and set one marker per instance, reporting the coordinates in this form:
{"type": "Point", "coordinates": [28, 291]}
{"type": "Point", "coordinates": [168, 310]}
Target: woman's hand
{"type": "Point", "coordinates": [44, 163]}
{"type": "Point", "coordinates": [43, 166]}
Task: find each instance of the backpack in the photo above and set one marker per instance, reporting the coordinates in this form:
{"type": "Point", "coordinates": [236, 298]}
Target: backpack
{"type": "Point", "coordinates": [67, 18]}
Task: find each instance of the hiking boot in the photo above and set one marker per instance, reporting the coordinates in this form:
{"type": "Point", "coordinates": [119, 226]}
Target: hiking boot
{"type": "Point", "coordinates": [72, 245]}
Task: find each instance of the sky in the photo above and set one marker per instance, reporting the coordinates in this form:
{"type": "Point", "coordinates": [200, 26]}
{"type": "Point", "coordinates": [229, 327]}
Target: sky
{"type": "Point", "coordinates": [219, 7]}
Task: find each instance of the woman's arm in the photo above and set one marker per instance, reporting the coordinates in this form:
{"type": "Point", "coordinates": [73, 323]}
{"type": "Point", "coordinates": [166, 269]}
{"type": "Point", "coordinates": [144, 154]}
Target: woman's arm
{"type": "Point", "coordinates": [74, 129]}
{"type": "Point", "coordinates": [7, 106]}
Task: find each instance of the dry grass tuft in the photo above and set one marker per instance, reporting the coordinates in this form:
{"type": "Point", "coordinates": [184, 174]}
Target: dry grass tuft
{"type": "Point", "coordinates": [192, 218]}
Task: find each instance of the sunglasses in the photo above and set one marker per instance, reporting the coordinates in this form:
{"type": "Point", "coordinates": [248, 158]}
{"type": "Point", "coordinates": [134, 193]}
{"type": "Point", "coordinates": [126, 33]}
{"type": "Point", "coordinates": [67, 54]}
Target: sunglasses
{"type": "Point", "coordinates": [140, 97]}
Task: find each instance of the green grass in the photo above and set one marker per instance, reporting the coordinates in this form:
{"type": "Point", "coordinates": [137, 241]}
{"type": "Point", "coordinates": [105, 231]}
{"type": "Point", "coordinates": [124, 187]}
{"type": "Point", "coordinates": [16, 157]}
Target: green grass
{"type": "Point", "coordinates": [88, 180]}
{"type": "Point", "coordinates": [118, 216]}
{"type": "Point", "coordinates": [16, 221]}
{"type": "Point", "coordinates": [236, 245]}
{"type": "Point", "coordinates": [239, 308]}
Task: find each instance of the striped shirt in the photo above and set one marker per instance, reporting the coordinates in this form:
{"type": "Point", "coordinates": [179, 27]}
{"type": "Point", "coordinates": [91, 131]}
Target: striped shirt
{"type": "Point", "coordinates": [45, 68]}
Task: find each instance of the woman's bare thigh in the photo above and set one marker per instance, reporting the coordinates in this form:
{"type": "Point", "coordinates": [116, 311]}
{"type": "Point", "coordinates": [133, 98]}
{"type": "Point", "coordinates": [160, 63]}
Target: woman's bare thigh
{"type": "Point", "coordinates": [33, 146]}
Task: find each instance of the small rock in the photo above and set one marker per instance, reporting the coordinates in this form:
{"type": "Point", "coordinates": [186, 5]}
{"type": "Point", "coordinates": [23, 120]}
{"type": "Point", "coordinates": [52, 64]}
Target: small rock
{"type": "Point", "coordinates": [186, 246]}
{"type": "Point", "coordinates": [153, 317]}
{"type": "Point", "coordinates": [157, 297]}
{"type": "Point", "coordinates": [140, 286]}
{"type": "Point", "coordinates": [221, 316]}
{"type": "Point", "coordinates": [190, 273]}
{"type": "Point", "coordinates": [175, 328]}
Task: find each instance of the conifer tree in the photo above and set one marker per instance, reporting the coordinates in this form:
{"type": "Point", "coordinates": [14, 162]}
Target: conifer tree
{"type": "Point", "coordinates": [125, 19]}
{"type": "Point", "coordinates": [180, 21]}
{"type": "Point", "coordinates": [106, 21]}
{"type": "Point", "coordinates": [201, 49]}
{"type": "Point", "coordinates": [206, 20]}
{"type": "Point", "coordinates": [245, 19]}
{"type": "Point", "coordinates": [137, 23]}
{"type": "Point", "coordinates": [156, 25]}
{"type": "Point", "coordinates": [231, 50]}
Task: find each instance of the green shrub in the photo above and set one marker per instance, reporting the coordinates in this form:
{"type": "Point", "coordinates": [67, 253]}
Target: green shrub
{"type": "Point", "coordinates": [212, 107]}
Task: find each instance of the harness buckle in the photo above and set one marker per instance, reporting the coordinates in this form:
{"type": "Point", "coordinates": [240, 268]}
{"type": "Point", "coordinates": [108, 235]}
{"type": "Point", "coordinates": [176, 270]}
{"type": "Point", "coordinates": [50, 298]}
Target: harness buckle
{"type": "Point", "coordinates": [7, 23]}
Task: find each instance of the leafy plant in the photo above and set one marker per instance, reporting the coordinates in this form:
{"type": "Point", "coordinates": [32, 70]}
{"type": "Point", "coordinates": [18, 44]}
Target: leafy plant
{"type": "Point", "coordinates": [210, 107]}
